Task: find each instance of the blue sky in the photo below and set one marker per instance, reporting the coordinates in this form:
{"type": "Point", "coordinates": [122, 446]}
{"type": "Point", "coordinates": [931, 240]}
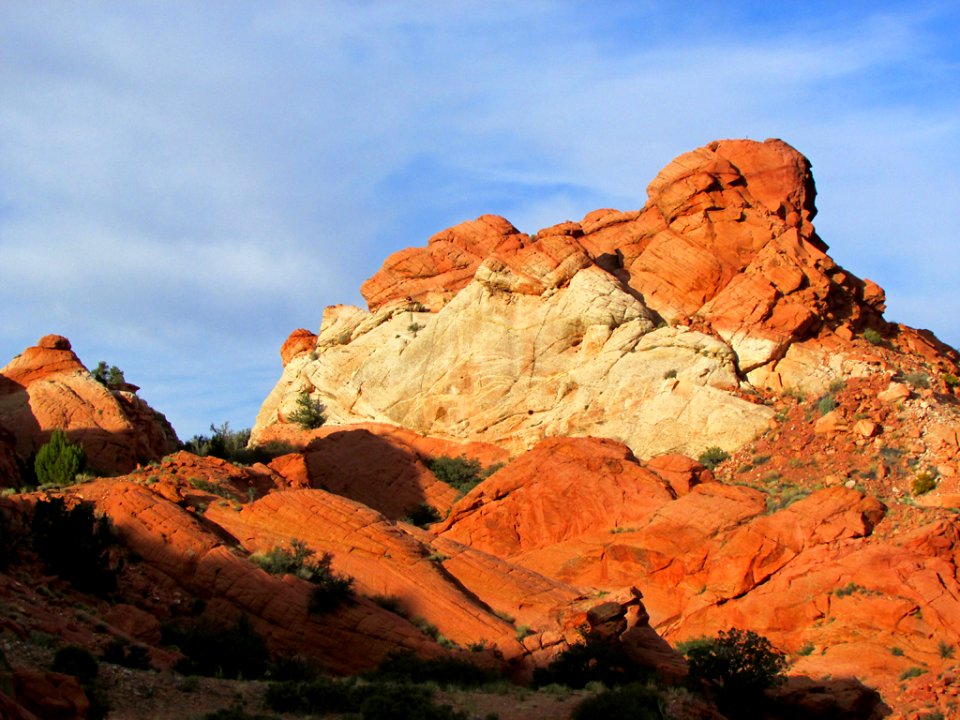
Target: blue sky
{"type": "Point", "coordinates": [183, 184]}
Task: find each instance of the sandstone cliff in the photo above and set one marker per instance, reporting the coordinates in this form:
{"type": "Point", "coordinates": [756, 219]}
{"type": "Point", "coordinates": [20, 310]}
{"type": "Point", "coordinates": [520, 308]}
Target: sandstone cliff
{"type": "Point", "coordinates": [654, 327]}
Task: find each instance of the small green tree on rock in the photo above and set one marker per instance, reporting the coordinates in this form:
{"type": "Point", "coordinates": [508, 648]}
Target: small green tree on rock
{"type": "Point", "coordinates": [111, 377]}
{"type": "Point", "coordinates": [738, 665]}
{"type": "Point", "coordinates": [309, 413]}
{"type": "Point", "coordinates": [59, 461]}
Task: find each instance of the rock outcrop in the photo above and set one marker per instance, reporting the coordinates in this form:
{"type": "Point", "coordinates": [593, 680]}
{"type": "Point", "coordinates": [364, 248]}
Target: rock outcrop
{"type": "Point", "coordinates": [48, 388]}
{"type": "Point", "coordinates": [651, 327]}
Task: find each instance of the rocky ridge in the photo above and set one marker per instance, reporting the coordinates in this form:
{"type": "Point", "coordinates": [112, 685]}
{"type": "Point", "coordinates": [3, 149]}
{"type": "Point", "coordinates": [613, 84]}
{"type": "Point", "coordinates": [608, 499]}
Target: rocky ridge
{"type": "Point", "coordinates": [655, 327]}
{"type": "Point", "coordinates": [582, 359]}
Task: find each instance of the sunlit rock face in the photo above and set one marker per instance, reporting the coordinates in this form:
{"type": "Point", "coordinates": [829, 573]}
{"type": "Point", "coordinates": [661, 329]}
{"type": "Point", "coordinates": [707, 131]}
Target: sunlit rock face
{"type": "Point", "coordinates": [652, 327]}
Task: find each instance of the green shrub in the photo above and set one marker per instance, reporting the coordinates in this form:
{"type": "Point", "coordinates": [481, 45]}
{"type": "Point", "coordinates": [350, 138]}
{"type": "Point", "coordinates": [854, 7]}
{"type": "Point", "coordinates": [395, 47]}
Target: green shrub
{"type": "Point", "coordinates": [738, 665]}
{"type": "Point", "coordinates": [235, 713]}
{"type": "Point", "coordinates": [946, 650]}
{"type": "Point", "coordinates": [111, 377]}
{"type": "Point", "coordinates": [923, 483]}
{"type": "Point", "coordinates": [629, 702]}
{"type": "Point", "coordinates": [74, 544]}
{"type": "Point", "coordinates": [872, 336]}
{"type": "Point", "coordinates": [405, 667]}
{"type": "Point", "coordinates": [595, 659]}
{"type": "Point", "coordinates": [917, 379]}
{"type": "Point", "coordinates": [375, 701]}
{"type": "Point", "coordinates": [77, 661]}
{"type": "Point", "coordinates": [211, 487]}
{"type": "Point", "coordinates": [826, 403]}
{"type": "Point", "coordinates": [712, 456]}
{"type": "Point", "coordinates": [59, 461]}
{"type": "Point", "coordinates": [309, 414]}
{"type": "Point", "coordinates": [80, 662]}
{"type": "Point", "coordinates": [950, 380]}
{"type": "Point", "coordinates": [402, 702]}
{"type": "Point", "coordinates": [461, 472]}
{"type": "Point", "coordinates": [232, 652]}
{"type": "Point", "coordinates": [320, 695]}
{"type": "Point", "coordinates": [423, 515]}
{"type": "Point", "coordinates": [331, 590]}
{"type": "Point", "coordinates": [911, 672]}
{"type": "Point", "coordinates": [120, 652]}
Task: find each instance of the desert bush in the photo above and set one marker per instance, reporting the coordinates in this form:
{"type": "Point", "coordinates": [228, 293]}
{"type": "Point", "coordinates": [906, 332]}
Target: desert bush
{"type": "Point", "coordinates": [223, 443]}
{"type": "Point", "coordinates": [423, 515]}
{"type": "Point", "coordinates": [331, 591]}
{"type": "Point", "coordinates": [628, 702]}
{"type": "Point", "coordinates": [236, 712]}
{"type": "Point", "coordinates": [737, 666]}
{"type": "Point", "coordinates": [111, 377]}
{"type": "Point", "coordinates": [917, 379]}
{"type": "Point", "coordinates": [208, 486]}
{"type": "Point", "coordinates": [233, 445]}
{"type": "Point", "coordinates": [402, 702]}
{"type": "Point", "coordinates": [80, 662]}
{"type": "Point", "coordinates": [77, 661]}
{"type": "Point", "coordinates": [712, 456]}
{"type": "Point", "coordinates": [923, 483]}
{"type": "Point", "coordinates": [309, 413]}
{"type": "Point", "coordinates": [951, 380]}
{"type": "Point", "coordinates": [231, 652]}
{"type": "Point", "coordinates": [320, 695]}
{"type": "Point", "coordinates": [461, 473]}
{"type": "Point", "coordinates": [595, 659]}
{"type": "Point", "coordinates": [374, 701]}
{"type": "Point", "coordinates": [120, 652]}
{"type": "Point", "coordinates": [59, 460]}
{"type": "Point", "coordinates": [405, 667]}
{"type": "Point", "coordinates": [872, 336]}
{"type": "Point", "coordinates": [75, 544]}
{"type": "Point", "coordinates": [826, 403]}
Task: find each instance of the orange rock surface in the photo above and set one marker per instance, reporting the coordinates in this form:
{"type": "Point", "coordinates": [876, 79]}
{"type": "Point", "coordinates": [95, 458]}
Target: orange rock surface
{"type": "Point", "coordinates": [47, 388]}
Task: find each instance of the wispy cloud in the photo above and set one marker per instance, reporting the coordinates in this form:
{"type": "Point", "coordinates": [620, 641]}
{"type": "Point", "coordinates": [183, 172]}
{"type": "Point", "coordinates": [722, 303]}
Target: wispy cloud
{"type": "Point", "coordinates": [182, 184]}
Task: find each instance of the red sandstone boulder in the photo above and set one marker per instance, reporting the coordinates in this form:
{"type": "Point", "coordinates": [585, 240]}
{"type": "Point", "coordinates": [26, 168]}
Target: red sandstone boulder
{"type": "Point", "coordinates": [380, 465]}
{"type": "Point", "coordinates": [299, 342]}
{"type": "Point", "coordinates": [561, 489]}
{"type": "Point", "coordinates": [49, 695]}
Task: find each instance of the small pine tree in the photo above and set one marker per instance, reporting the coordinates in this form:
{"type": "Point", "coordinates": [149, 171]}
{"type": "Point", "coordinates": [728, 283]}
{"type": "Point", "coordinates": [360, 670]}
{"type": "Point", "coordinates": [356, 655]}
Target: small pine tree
{"type": "Point", "coordinates": [309, 413]}
{"type": "Point", "coordinates": [59, 461]}
{"type": "Point", "coordinates": [111, 377]}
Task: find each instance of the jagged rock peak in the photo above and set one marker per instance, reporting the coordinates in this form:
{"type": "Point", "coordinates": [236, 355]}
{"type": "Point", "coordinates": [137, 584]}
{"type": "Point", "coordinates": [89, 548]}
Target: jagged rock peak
{"type": "Point", "coordinates": [644, 326]}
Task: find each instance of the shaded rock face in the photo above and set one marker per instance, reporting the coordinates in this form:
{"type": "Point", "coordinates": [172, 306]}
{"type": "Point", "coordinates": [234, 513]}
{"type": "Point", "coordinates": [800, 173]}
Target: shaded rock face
{"type": "Point", "coordinates": [645, 327]}
{"type": "Point", "coordinates": [48, 388]}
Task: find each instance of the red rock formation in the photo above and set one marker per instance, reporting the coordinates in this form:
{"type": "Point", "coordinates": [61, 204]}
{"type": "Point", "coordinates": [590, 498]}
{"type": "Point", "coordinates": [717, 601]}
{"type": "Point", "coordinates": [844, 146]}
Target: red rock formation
{"type": "Point", "coordinates": [47, 388]}
{"type": "Point", "coordinates": [299, 342]}
{"type": "Point", "coordinates": [379, 465]}
{"type": "Point", "coordinates": [431, 276]}
{"type": "Point", "coordinates": [725, 238]}
{"type": "Point", "coordinates": [530, 503]}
